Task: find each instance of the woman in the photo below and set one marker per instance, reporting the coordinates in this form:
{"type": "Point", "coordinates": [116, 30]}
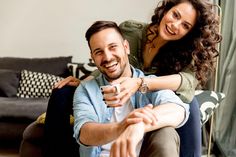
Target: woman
{"type": "Point", "coordinates": [179, 46]}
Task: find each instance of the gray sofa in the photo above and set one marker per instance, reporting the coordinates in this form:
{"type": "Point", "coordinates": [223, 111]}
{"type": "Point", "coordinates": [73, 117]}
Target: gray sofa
{"type": "Point", "coordinates": [17, 112]}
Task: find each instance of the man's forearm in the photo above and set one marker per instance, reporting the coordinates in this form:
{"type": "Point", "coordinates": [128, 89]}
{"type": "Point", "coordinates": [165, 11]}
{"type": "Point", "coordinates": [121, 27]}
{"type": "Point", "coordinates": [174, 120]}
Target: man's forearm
{"type": "Point", "coordinates": [167, 115]}
{"type": "Point", "coordinates": [95, 134]}
{"type": "Point", "coordinates": [99, 134]}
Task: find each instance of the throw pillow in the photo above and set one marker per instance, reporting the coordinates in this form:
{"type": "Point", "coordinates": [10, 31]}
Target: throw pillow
{"type": "Point", "coordinates": [208, 101]}
{"type": "Point", "coordinates": [9, 81]}
{"type": "Point", "coordinates": [81, 70]}
{"type": "Point", "coordinates": [36, 84]}
{"type": "Point", "coordinates": [42, 117]}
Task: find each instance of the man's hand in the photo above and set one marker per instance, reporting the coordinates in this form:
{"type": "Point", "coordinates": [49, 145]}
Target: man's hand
{"type": "Point", "coordinates": [137, 123]}
{"type": "Point", "coordinates": [125, 145]}
{"type": "Point", "coordinates": [145, 114]}
{"type": "Point", "coordinates": [70, 81]}
{"type": "Point", "coordinates": [128, 86]}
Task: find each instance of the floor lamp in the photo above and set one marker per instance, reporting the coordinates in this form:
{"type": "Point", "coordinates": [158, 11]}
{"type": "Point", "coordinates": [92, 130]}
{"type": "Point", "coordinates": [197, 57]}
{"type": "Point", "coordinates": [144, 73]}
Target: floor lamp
{"type": "Point", "coordinates": [215, 84]}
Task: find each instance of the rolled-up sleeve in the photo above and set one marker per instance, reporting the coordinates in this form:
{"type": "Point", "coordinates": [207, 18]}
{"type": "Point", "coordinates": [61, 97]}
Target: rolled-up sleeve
{"type": "Point", "coordinates": [83, 111]}
{"type": "Point", "coordinates": [188, 85]}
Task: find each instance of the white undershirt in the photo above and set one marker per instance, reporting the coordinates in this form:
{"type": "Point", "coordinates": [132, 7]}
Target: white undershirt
{"type": "Point", "coordinates": [118, 115]}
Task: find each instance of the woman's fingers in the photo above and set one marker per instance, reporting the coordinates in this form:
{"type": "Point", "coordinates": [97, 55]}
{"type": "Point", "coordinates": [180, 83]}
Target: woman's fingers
{"type": "Point", "coordinates": [70, 80]}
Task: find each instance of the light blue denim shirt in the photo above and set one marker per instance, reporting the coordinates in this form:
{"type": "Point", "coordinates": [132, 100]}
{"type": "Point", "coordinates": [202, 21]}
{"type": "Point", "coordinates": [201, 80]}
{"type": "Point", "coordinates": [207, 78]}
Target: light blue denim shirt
{"type": "Point", "coordinates": [89, 106]}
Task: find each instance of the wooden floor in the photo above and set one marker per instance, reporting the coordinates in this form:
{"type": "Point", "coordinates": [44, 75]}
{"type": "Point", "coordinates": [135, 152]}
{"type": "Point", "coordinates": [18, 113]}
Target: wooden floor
{"type": "Point", "coordinates": [7, 152]}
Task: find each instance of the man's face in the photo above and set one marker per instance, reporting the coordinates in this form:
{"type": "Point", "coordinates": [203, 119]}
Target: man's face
{"type": "Point", "coordinates": [110, 53]}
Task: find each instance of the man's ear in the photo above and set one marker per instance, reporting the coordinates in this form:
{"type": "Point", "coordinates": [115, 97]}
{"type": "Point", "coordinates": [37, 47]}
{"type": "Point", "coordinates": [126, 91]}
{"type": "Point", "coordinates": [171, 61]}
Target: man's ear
{"type": "Point", "coordinates": [91, 56]}
{"type": "Point", "coordinates": [126, 45]}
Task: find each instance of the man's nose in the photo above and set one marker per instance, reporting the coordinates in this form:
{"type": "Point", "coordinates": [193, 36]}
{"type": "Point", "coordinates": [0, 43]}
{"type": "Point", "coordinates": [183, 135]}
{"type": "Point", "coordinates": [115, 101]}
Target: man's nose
{"type": "Point", "coordinates": [107, 55]}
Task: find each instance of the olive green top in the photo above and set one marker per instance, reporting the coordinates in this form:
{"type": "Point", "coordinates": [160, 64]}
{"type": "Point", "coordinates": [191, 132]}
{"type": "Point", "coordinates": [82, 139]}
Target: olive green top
{"type": "Point", "coordinates": [135, 33]}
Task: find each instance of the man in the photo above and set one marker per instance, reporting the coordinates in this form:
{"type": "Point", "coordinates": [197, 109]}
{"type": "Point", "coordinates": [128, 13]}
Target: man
{"type": "Point", "coordinates": [127, 130]}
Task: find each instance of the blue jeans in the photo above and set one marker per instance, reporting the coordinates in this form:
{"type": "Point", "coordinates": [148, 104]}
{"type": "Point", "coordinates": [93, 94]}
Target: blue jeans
{"type": "Point", "coordinates": [58, 132]}
{"type": "Point", "coordinates": [190, 133]}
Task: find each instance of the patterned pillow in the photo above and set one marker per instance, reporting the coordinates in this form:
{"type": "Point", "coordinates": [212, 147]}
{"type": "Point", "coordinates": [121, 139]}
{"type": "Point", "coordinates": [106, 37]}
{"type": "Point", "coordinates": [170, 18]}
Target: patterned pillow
{"type": "Point", "coordinates": [81, 70]}
{"type": "Point", "coordinates": [208, 101]}
{"type": "Point", "coordinates": [36, 85]}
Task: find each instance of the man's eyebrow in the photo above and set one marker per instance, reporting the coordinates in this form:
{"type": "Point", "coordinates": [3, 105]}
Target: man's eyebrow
{"type": "Point", "coordinates": [112, 44]}
{"type": "Point", "coordinates": [97, 49]}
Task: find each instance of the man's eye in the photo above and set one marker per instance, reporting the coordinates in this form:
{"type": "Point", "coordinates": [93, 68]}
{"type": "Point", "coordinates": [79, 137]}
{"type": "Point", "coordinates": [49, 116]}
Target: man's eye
{"type": "Point", "coordinates": [97, 52]}
{"type": "Point", "coordinates": [113, 46]}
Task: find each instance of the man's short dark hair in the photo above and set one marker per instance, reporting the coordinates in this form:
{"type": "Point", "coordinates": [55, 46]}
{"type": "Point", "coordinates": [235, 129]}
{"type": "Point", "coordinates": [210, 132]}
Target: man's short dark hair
{"type": "Point", "coordinates": [99, 26]}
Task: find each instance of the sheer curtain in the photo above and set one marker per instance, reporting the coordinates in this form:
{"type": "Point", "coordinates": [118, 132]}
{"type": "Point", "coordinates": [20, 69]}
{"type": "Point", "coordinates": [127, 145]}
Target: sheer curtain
{"type": "Point", "coordinates": [225, 117]}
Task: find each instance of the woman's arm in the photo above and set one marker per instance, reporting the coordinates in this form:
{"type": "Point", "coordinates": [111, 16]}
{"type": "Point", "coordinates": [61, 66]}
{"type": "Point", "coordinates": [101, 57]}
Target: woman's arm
{"type": "Point", "coordinates": [183, 84]}
{"type": "Point", "coordinates": [73, 81]}
{"type": "Point", "coordinates": [188, 85]}
{"type": "Point", "coordinates": [129, 86]}
{"type": "Point", "coordinates": [70, 81]}
{"type": "Point", "coordinates": [171, 82]}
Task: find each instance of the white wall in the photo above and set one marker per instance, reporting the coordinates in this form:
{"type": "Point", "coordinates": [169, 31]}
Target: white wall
{"type": "Point", "coordinates": [47, 28]}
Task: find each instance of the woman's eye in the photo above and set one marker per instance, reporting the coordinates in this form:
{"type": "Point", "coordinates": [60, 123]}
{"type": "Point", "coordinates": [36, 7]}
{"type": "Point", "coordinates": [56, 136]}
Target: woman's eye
{"type": "Point", "coordinates": [186, 26]}
{"type": "Point", "coordinates": [175, 15]}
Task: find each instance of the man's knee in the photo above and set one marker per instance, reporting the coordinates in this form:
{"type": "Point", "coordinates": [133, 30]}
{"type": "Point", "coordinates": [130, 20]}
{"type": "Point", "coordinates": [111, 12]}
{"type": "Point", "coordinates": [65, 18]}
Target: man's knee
{"type": "Point", "coordinates": [161, 143]}
{"type": "Point", "coordinates": [61, 99]}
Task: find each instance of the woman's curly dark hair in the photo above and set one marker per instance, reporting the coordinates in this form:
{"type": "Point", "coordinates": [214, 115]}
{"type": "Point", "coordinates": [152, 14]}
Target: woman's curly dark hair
{"type": "Point", "coordinates": [198, 45]}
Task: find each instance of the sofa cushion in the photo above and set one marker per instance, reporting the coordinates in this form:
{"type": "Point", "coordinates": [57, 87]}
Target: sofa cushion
{"type": "Point", "coordinates": [34, 133]}
{"type": "Point", "coordinates": [54, 65]}
{"type": "Point", "coordinates": [208, 101]}
{"type": "Point", "coordinates": [9, 81]}
{"type": "Point", "coordinates": [21, 109]}
{"type": "Point", "coordinates": [36, 85]}
{"type": "Point", "coordinates": [42, 117]}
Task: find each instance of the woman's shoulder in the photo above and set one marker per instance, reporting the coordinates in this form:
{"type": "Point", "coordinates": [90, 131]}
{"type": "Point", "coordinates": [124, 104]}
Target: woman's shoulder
{"type": "Point", "coordinates": [132, 25]}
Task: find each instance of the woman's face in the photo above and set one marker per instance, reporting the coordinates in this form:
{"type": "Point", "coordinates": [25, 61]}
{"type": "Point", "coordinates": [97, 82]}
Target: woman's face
{"type": "Point", "coordinates": [177, 22]}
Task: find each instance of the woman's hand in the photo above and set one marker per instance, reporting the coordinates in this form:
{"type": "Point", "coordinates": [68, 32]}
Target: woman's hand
{"type": "Point", "coordinates": [70, 81]}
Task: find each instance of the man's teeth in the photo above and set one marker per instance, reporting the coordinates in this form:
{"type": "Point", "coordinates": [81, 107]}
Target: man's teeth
{"type": "Point", "coordinates": [111, 64]}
